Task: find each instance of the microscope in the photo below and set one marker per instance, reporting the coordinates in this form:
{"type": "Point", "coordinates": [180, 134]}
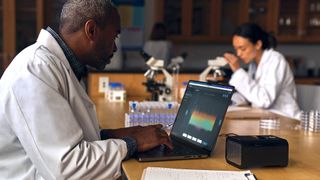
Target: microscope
{"type": "Point", "coordinates": [215, 66]}
{"type": "Point", "coordinates": [161, 90]}
{"type": "Point", "coordinates": [175, 62]}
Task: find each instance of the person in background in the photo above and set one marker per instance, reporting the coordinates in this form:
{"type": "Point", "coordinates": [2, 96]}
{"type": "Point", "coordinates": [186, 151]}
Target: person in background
{"type": "Point", "coordinates": [269, 81]}
{"type": "Point", "coordinates": [158, 46]}
{"type": "Point", "coordinates": [48, 124]}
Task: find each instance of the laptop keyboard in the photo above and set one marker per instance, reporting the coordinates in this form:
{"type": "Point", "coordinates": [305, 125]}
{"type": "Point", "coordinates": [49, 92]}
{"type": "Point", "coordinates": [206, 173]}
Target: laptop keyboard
{"type": "Point", "coordinates": [178, 148]}
{"type": "Point", "coordinates": [179, 151]}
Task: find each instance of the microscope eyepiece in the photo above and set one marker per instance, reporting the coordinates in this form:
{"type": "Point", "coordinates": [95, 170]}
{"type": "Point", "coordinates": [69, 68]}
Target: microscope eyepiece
{"type": "Point", "coordinates": [145, 55]}
{"type": "Point", "coordinates": [184, 55]}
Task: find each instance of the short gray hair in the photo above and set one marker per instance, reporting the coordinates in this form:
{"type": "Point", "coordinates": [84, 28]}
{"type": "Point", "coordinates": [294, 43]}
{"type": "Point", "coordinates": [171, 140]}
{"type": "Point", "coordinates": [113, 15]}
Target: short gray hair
{"type": "Point", "coordinates": [75, 13]}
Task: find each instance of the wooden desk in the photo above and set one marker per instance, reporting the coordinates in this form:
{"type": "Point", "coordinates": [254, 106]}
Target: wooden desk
{"type": "Point", "coordinates": [304, 147]}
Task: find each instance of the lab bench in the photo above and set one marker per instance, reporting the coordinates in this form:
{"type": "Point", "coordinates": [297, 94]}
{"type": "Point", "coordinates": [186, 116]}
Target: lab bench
{"type": "Point", "coordinates": [133, 81]}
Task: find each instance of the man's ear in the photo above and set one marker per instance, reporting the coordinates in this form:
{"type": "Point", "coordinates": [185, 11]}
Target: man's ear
{"type": "Point", "coordinates": [259, 45]}
{"type": "Point", "coordinates": [90, 29]}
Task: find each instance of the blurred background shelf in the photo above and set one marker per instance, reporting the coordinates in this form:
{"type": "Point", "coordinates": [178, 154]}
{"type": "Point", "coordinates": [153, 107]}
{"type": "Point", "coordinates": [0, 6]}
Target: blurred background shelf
{"type": "Point", "coordinates": [203, 28]}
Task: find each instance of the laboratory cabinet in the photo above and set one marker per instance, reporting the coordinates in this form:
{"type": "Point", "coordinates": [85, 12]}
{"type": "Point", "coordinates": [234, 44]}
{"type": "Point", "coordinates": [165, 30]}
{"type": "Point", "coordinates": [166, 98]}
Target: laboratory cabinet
{"type": "Point", "coordinates": [291, 21]}
{"type": "Point", "coordinates": [21, 22]}
{"type": "Point", "coordinates": [294, 21]}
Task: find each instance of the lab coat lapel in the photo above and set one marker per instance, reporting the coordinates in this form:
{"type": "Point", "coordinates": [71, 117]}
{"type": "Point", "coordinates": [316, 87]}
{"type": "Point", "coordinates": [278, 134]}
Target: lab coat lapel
{"type": "Point", "coordinates": [46, 39]}
{"type": "Point", "coordinates": [264, 59]}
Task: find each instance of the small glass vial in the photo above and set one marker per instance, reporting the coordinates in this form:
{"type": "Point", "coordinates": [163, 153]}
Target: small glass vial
{"type": "Point", "coordinates": [304, 120]}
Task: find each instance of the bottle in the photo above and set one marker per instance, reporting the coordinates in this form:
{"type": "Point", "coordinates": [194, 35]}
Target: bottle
{"type": "Point", "coordinates": [156, 111]}
{"type": "Point", "coordinates": [152, 117]}
{"type": "Point", "coordinates": [175, 66]}
{"type": "Point", "coordinates": [182, 89]}
{"type": "Point", "coordinates": [133, 113]}
{"type": "Point", "coordinates": [175, 83]}
{"type": "Point", "coordinates": [162, 113]}
{"type": "Point", "coordinates": [169, 113]}
{"type": "Point", "coordinates": [148, 115]}
{"type": "Point", "coordinates": [174, 113]}
{"type": "Point", "coordinates": [142, 121]}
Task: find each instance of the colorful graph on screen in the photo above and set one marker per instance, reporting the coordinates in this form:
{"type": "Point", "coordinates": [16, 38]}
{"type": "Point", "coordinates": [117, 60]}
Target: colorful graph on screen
{"type": "Point", "coordinates": [202, 120]}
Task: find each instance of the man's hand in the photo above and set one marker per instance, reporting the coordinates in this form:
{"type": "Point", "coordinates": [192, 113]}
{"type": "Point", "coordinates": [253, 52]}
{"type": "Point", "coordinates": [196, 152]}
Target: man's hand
{"type": "Point", "coordinates": [233, 61]}
{"type": "Point", "coordinates": [150, 137]}
{"type": "Point", "coordinates": [147, 137]}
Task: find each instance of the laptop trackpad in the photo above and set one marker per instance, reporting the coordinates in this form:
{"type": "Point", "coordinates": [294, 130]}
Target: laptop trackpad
{"type": "Point", "coordinates": [162, 152]}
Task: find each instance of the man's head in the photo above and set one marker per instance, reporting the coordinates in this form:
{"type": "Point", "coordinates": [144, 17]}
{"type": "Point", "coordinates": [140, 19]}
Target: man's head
{"type": "Point", "coordinates": [90, 28]}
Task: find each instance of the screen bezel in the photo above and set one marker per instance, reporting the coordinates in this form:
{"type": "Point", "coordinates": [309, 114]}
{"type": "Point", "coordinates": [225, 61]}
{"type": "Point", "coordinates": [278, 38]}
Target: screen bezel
{"type": "Point", "coordinates": [173, 133]}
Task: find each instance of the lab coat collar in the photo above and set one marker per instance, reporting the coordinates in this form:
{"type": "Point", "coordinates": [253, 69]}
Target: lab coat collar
{"type": "Point", "coordinates": [47, 40]}
{"type": "Point", "coordinates": [265, 56]}
{"type": "Point", "coordinates": [264, 59]}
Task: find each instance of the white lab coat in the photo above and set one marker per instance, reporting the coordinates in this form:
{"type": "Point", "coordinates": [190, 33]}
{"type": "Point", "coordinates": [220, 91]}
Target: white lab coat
{"type": "Point", "coordinates": [48, 124]}
{"type": "Point", "coordinates": [272, 87]}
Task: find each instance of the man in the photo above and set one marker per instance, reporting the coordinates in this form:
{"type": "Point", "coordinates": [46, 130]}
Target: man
{"type": "Point", "coordinates": [48, 125]}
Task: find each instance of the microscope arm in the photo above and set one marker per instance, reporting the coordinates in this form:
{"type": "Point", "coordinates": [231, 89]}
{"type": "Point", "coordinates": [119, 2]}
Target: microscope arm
{"type": "Point", "coordinates": [169, 79]}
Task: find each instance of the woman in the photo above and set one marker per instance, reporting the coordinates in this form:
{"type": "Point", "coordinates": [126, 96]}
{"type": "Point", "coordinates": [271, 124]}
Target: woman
{"type": "Point", "coordinates": [269, 82]}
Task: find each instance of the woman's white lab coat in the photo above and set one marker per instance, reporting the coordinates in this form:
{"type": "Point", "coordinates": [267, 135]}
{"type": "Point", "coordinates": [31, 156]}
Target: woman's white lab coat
{"type": "Point", "coordinates": [269, 85]}
{"type": "Point", "coordinates": [48, 124]}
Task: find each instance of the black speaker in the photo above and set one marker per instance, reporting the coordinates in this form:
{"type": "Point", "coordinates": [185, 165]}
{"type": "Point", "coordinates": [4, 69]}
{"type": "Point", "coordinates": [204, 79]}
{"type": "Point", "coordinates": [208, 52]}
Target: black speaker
{"type": "Point", "coordinates": [256, 151]}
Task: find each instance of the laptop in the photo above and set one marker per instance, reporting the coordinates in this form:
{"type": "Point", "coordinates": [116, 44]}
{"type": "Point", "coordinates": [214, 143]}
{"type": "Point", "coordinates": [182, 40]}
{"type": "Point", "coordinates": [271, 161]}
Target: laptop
{"type": "Point", "coordinates": [197, 124]}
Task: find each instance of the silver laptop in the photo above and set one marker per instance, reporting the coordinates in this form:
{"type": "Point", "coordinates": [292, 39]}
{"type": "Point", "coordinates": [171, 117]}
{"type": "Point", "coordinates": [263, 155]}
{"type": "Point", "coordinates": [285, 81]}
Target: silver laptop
{"type": "Point", "coordinates": [197, 124]}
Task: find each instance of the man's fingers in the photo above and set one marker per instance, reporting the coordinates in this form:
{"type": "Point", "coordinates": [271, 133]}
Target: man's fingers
{"type": "Point", "coordinates": [165, 138]}
{"type": "Point", "coordinates": [151, 137]}
{"type": "Point", "coordinates": [168, 143]}
{"type": "Point", "coordinates": [155, 126]}
{"type": "Point", "coordinates": [162, 132]}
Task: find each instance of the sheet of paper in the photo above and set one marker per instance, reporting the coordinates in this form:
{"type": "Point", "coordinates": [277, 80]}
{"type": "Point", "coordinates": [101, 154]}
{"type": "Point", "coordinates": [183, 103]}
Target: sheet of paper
{"type": "Point", "coordinates": [157, 173]}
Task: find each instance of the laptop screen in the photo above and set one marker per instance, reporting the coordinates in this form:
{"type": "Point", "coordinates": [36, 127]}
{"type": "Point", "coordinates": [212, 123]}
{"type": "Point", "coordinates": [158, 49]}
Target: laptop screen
{"type": "Point", "coordinates": [201, 113]}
